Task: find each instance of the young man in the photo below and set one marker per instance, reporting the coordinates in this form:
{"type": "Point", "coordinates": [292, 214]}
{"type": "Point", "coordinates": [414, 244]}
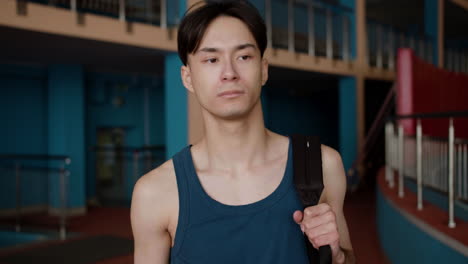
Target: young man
{"type": "Point", "coordinates": [230, 197]}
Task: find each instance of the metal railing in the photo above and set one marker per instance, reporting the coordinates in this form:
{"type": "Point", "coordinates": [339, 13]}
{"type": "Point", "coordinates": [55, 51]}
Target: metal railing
{"type": "Point", "coordinates": [127, 164]}
{"type": "Point", "coordinates": [22, 164]}
{"type": "Point", "coordinates": [436, 163]}
{"type": "Point", "coordinates": [456, 60]}
{"type": "Point", "coordinates": [383, 42]}
{"type": "Point", "coordinates": [309, 27]}
{"type": "Point", "coordinates": [159, 12]}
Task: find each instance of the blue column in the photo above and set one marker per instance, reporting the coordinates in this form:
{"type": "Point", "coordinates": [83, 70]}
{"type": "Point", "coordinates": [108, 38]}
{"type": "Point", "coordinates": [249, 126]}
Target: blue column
{"type": "Point", "coordinates": [66, 131]}
{"type": "Point", "coordinates": [176, 106]}
{"type": "Point", "coordinates": [431, 28]}
{"type": "Point", "coordinates": [348, 120]}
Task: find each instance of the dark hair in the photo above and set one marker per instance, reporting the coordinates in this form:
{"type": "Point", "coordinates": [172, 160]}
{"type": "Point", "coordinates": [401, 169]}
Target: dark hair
{"type": "Point", "coordinates": [195, 22]}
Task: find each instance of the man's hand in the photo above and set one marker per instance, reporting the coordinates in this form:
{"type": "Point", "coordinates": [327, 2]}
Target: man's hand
{"type": "Point", "coordinates": [319, 224]}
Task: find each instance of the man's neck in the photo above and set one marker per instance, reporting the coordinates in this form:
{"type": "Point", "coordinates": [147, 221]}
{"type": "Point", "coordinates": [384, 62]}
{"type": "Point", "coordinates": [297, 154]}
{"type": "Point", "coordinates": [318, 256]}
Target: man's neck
{"type": "Point", "coordinates": [235, 144]}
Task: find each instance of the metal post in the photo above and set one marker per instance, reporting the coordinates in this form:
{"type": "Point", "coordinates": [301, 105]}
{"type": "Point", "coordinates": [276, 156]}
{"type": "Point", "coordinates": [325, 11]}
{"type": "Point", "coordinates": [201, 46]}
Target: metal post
{"type": "Point", "coordinates": [73, 5]}
{"type": "Point", "coordinates": [392, 155]}
{"type": "Point", "coordinates": [291, 26]}
{"type": "Point", "coordinates": [421, 49]}
{"type": "Point", "coordinates": [419, 163]}
{"type": "Point", "coordinates": [18, 196]}
{"type": "Point", "coordinates": [391, 50]}
{"type": "Point", "coordinates": [268, 22]}
{"type": "Point", "coordinates": [163, 14]}
{"type": "Point", "coordinates": [379, 43]}
{"type": "Point", "coordinates": [387, 153]}
{"type": "Point", "coordinates": [149, 11]}
{"type": "Point", "coordinates": [329, 43]}
{"type": "Point", "coordinates": [135, 165]}
{"type": "Point", "coordinates": [401, 154]}
{"type": "Point", "coordinates": [451, 223]}
{"type": "Point", "coordinates": [412, 43]}
{"type": "Point", "coordinates": [345, 38]}
{"type": "Point", "coordinates": [311, 42]}
{"type": "Point", "coordinates": [465, 174]}
{"type": "Point", "coordinates": [122, 10]}
{"type": "Point", "coordinates": [458, 177]}
{"type": "Point", "coordinates": [63, 203]}
{"type": "Point", "coordinates": [430, 56]}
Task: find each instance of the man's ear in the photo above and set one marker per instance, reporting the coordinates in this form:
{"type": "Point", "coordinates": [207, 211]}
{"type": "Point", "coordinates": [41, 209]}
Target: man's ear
{"type": "Point", "coordinates": [264, 71]}
{"type": "Point", "coordinates": [185, 74]}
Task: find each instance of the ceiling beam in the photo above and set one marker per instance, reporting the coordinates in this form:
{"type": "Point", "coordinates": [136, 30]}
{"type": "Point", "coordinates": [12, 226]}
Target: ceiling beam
{"type": "Point", "coordinates": [461, 3]}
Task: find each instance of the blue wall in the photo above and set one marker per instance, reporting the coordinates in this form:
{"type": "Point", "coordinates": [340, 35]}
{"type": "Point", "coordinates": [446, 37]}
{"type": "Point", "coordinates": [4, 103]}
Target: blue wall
{"type": "Point", "coordinates": [175, 107]}
{"type": "Point", "coordinates": [66, 122]}
{"type": "Point", "coordinates": [293, 107]}
{"type": "Point", "coordinates": [405, 243]}
{"type": "Point", "coordinates": [56, 110]}
{"type": "Point", "coordinates": [103, 89]}
{"type": "Point", "coordinates": [431, 25]}
{"type": "Point", "coordinates": [348, 120]}
{"type": "Point", "coordinates": [23, 115]}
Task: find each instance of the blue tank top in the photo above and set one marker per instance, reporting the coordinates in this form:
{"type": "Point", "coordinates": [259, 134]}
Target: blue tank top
{"type": "Point", "coordinates": [209, 232]}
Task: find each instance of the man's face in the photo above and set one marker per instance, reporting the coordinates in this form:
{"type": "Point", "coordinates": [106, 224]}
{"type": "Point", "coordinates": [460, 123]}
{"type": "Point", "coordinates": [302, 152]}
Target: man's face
{"type": "Point", "coordinates": [227, 71]}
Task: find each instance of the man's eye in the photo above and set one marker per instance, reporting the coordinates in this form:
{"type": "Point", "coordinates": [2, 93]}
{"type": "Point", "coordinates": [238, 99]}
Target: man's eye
{"type": "Point", "coordinates": [211, 60]}
{"type": "Point", "coordinates": [245, 57]}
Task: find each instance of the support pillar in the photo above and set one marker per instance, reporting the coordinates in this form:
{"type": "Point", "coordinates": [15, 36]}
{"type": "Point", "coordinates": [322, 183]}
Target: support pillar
{"type": "Point", "coordinates": [348, 131]}
{"type": "Point", "coordinates": [175, 105]}
{"type": "Point", "coordinates": [66, 135]}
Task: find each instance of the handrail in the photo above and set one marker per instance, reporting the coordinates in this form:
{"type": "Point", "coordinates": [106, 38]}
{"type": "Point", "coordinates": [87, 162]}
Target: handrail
{"type": "Point", "coordinates": [35, 157]}
{"type": "Point", "coordinates": [451, 114]}
{"type": "Point", "coordinates": [64, 173]}
{"type": "Point", "coordinates": [127, 148]}
{"type": "Point", "coordinates": [374, 130]}
{"type": "Point", "coordinates": [436, 162]}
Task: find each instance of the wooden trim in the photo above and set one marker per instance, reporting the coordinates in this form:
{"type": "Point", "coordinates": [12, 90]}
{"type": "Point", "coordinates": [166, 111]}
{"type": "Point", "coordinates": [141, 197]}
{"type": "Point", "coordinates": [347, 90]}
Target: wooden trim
{"type": "Point", "coordinates": [43, 18]}
{"type": "Point", "coordinates": [302, 61]}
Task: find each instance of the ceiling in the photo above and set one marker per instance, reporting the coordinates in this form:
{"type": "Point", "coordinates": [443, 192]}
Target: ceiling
{"type": "Point", "coordinates": [35, 47]}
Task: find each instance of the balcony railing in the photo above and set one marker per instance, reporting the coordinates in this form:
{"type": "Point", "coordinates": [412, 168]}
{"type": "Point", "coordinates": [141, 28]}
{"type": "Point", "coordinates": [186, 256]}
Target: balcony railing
{"type": "Point", "coordinates": [117, 169]}
{"type": "Point", "coordinates": [309, 27]}
{"type": "Point", "coordinates": [456, 60]}
{"type": "Point", "coordinates": [28, 172]}
{"type": "Point", "coordinates": [436, 163]}
{"type": "Point", "coordinates": [162, 13]}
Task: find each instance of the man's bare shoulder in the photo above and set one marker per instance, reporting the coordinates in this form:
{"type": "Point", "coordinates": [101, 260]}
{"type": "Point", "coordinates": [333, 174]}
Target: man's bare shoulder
{"type": "Point", "coordinates": [155, 196]}
{"type": "Point", "coordinates": [334, 178]}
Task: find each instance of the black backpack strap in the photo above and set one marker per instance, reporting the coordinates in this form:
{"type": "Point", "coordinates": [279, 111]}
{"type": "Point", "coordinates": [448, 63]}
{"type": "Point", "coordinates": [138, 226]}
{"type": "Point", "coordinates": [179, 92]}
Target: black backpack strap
{"type": "Point", "coordinates": [308, 180]}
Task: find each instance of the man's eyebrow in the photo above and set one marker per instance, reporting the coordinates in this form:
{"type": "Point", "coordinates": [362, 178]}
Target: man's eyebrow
{"type": "Point", "coordinates": [239, 47]}
{"type": "Point", "coordinates": [244, 46]}
{"type": "Point", "coordinates": [207, 49]}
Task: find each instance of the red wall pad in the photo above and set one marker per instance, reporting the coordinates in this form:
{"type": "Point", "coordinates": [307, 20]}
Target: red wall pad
{"type": "Point", "coordinates": [424, 88]}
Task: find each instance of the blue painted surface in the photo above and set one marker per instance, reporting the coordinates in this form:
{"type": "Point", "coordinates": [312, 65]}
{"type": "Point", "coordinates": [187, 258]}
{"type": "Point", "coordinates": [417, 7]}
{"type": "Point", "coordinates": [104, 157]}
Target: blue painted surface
{"type": "Point", "coordinates": [438, 199]}
{"type": "Point", "coordinates": [288, 111]}
{"type": "Point", "coordinates": [10, 239]}
{"type": "Point", "coordinates": [102, 112]}
{"type": "Point", "coordinates": [66, 123]}
{"type": "Point", "coordinates": [431, 18]}
{"type": "Point", "coordinates": [23, 114]}
{"type": "Point", "coordinates": [404, 243]}
{"type": "Point", "coordinates": [175, 106]}
{"type": "Point", "coordinates": [347, 120]}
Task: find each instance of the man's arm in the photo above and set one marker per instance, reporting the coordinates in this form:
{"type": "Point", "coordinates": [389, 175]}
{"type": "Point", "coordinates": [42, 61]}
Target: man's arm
{"type": "Point", "coordinates": [150, 216]}
{"type": "Point", "coordinates": [325, 224]}
{"type": "Point", "coordinates": [334, 180]}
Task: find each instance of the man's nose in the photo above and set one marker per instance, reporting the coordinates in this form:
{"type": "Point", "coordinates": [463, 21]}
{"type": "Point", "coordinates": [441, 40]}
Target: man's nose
{"type": "Point", "coordinates": [229, 71]}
